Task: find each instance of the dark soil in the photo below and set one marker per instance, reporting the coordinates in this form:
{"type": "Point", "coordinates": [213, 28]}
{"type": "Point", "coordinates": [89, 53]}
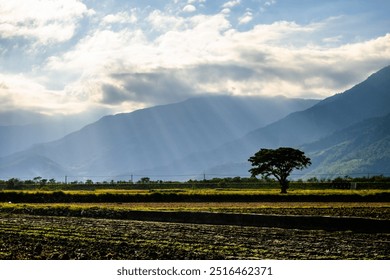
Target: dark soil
{"type": "Point", "coordinates": [46, 237]}
{"type": "Point", "coordinates": [367, 212]}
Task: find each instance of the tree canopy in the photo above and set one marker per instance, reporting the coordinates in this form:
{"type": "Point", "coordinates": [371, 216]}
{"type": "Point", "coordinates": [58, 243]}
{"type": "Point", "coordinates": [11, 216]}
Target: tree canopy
{"type": "Point", "coordinates": [278, 163]}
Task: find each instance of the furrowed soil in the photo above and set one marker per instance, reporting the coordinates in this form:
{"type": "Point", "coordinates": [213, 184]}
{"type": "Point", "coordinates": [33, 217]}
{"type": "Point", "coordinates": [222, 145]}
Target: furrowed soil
{"type": "Point", "coordinates": [377, 210]}
{"type": "Point", "coordinates": [48, 237]}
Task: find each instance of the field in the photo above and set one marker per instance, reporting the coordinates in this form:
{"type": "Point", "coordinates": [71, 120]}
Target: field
{"type": "Point", "coordinates": [103, 230]}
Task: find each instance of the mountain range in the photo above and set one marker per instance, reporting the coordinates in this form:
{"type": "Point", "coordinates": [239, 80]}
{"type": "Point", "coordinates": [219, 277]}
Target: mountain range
{"type": "Point", "coordinates": [327, 118]}
{"type": "Point", "coordinates": [345, 134]}
{"type": "Point", "coordinates": [132, 142]}
{"type": "Point", "coordinates": [20, 130]}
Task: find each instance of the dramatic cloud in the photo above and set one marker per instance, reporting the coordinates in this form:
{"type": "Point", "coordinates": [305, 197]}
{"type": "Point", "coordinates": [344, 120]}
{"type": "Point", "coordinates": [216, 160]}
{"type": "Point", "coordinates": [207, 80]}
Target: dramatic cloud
{"type": "Point", "coordinates": [73, 56]}
{"type": "Point", "coordinates": [163, 86]}
{"type": "Point", "coordinates": [45, 21]}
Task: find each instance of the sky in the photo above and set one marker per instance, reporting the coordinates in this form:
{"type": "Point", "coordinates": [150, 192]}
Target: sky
{"type": "Point", "coordinates": [89, 58]}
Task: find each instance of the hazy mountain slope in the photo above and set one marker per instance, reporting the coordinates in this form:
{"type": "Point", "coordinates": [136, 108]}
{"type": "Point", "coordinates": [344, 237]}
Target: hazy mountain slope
{"type": "Point", "coordinates": [362, 149]}
{"type": "Point", "coordinates": [32, 166]}
{"type": "Point", "coordinates": [16, 137]}
{"type": "Point", "coordinates": [19, 137]}
{"type": "Point", "coordinates": [155, 136]}
{"type": "Point", "coordinates": [368, 99]}
{"type": "Point", "coordinates": [358, 150]}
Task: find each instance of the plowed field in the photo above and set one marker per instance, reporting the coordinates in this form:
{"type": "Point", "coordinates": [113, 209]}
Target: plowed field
{"type": "Point", "coordinates": [46, 237]}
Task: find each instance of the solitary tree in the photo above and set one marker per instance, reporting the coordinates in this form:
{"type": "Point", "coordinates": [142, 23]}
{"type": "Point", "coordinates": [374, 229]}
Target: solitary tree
{"type": "Point", "coordinates": [279, 163]}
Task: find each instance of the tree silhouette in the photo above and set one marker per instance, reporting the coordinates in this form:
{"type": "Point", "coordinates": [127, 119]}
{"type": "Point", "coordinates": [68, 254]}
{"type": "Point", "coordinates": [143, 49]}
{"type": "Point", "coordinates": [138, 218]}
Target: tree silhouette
{"type": "Point", "coordinates": [278, 163]}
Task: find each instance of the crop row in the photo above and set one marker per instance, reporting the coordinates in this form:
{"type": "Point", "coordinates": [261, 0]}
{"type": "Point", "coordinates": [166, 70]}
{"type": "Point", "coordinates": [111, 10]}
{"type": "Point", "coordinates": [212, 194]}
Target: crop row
{"type": "Point", "coordinates": [376, 210]}
{"type": "Point", "coordinates": [91, 197]}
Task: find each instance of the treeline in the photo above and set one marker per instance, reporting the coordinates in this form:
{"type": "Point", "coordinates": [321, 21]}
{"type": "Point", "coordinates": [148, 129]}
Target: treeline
{"type": "Point", "coordinates": [39, 183]}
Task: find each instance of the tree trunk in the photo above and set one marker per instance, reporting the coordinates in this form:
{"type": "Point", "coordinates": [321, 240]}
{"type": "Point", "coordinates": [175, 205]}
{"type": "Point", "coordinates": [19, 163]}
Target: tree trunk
{"type": "Point", "coordinates": [284, 186]}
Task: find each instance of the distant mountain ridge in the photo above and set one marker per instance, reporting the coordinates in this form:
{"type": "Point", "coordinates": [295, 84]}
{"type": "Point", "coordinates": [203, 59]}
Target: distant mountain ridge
{"type": "Point", "coordinates": [150, 137]}
{"type": "Point", "coordinates": [15, 138]}
{"type": "Point", "coordinates": [18, 137]}
{"type": "Point", "coordinates": [347, 132]}
{"type": "Point", "coordinates": [368, 99]}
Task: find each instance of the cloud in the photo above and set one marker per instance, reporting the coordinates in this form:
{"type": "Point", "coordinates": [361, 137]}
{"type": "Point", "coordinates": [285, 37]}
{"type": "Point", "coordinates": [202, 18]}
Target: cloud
{"type": "Point", "coordinates": [294, 72]}
{"type": "Point", "coordinates": [162, 86]}
{"type": "Point", "coordinates": [202, 54]}
{"type": "Point", "coordinates": [114, 95]}
{"type": "Point", "coordinates": [6, 100]}
{"type": "Point", "coordinates": [99, 51]}
{"type": "Point", "coordinates": [41, 20]}
{"type": "Point", "coordinates": [222, 73]}
{"type": "Point", "coordinates": [270, 3]}
{"type": "Point", "coordinates": [231, 4]}
{"type": "Point", "coordinates": [225, 11]}
{"type": "Point", "coordinates": [246, 18]}
{"type": "Point", "coordinates": [189, 9]}
{"type": "Point", "coordinates": [26, 93]}
{"type": "Point", "coordinates": [3, 86]}
{"type": "Point", "coordinates": [136, 58]}
{"type": "Point", "coordinates": [331, 40]}
{"type": "Point", "coordinates": [121, 17]}
{"type": "Point", "coordinates": [161, 21]}
{"type": "Point", "coordinates": [196, 1]}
